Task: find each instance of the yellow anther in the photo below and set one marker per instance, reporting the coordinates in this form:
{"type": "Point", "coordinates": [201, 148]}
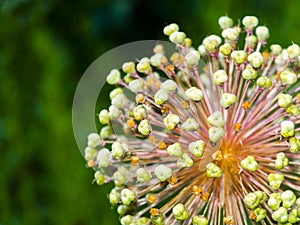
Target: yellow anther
{"type": "Point", "coordinates": [170, 69]}
{"type": "Point", "coordinates": [266, 55]}
{"type": "Point", "coordinates": [246, 105]}
{"type": "Point", "coordinates": [152, 139]}
{"type": "Point", "coordinates": [91, 163]}
{"type": "Point", "coordinates": [278, 75]}
{"type": "Point", "coordinates": [229, 220]}
{"type": "Point", "coordinates": [197, 190]}
{"type": "Point", "coordinates": [151, 198]}
{"type": "Point", "coordinates": [130, 123]}
{"type": "Point", "coordinates": [252, 216]}
{"type": "Point", "coordinates": [134, 160]}
{"type": "Point", "coordinates": [234, 169]}
{"type": "Point", "coordinates": [185, 104]}
{"type": "Point", "coordinates": [205, 196]}
{"type": "Point", "coordinates": [172, 180]}
{"type": "Point", "coordinates": [139, 98]}
{"type": "Point", "coordinates": [165, 109]}
{"type": "Point", "coordinates": [237, 127]}
{"type": "Point", "coordinates": [298, 97]}
{"type": "Point", "coordinates": [162, 145]}
{"type": "Point", "coordinates": [217, 155]}
{"type": "Point", "coordinates": [154, 212]}
{"type": "Point", "coordinates": [175, 57]}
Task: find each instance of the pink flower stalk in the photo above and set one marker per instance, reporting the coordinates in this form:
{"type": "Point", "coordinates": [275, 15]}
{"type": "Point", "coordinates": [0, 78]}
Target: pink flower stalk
{"type": "Point", "coordinates": [215, 144]}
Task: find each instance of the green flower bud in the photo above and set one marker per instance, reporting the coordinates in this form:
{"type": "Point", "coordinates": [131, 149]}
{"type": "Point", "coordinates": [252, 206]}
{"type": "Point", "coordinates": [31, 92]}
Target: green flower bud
{"type": "Point", "coordinates": [202, 50]}
{"type": "Point", "coordinates": [293, 51]}
{"type": "Point", "coordinates": [184, 161]}
{"type": "Point", "coordinates": [251, 200]}
{"type": "Point", "coordinates": [264, 82]}
{"type": "Point", "coordinates": [293, 217]}
{"type": "Point", "coordinates": [113, 77]}
{"type": "Point", "coordinates": [227, 100]}
{"type": "Point", "coordinates": [105, 132]}
{"type": "Point", "coordinates": [226, 49]}
{"type": "Point", "coordinates": [211, 43]}
{"type": "Point", "coordinates": [225, 22]}
{"type": "Point", "coordinates": [276, 49]}
{"type": "Point", "coordinates": [143, 65]}
{"type": "Point", "coordinates": [114, 112]}
{"type": "Point", "coordinates": [128, 78]}
{"type": "Point", "coordinates": [161, 96]}
{"type": "Point", "coordinates": [274, 201]}
{"type": "Point", "coordinates": [114, 197]}
{"type": "Point", "coordinates": [213, 171]}
{"type": "Point", "coordinates": [294, 144]}
{"type": "Point", "coordinates": [104, 117]}
{"type": "Point", "coordinates": [94, 140]}
{"type": "Point", "coordinates": [155, 60]}
{"type": "Point", "coordinates": [220, 77]}
{"type": "Point", "coordinates": [120, 101]}
{"type": "Point", "coordinates": [197, 148]}
{"type": "Point", "coordinates": [99, 178]}
{"type": "Point", "coordinates": [194, 94]}
{"type": "Point", "coordinates": [256, 59]}
{"type": "Point", "coordinates": [180, 212]}
{"type": "Point", "coordinates": [187, 42]}
{"type": "Point", "coordinates": [280, 215]}
{"type": "Point", "coordinates": [168, 86]}
{"type": "Point", "coordinates": [90, 153]}
{"type": "Point", "coordinates": [284, 100]}
{"type": "Point", "coordinates": [123, 210]}
{"type": "Point", "coordinates": [293, 110]}
{"type": "Point", "coordinates": [143, 221]}
{"type": "Point", "coordinates": [139, 112]}
{"type": "Point", "coordinates": [162, 172]}
{"type": "Point", "coordinates": [216, 119]}
{"type": "Point", "coordinates": [143, 175]}
{"type": "Point", "coordinates": [177, 37]}
{"type": "Point", "coordinates": [262, 33]}
{"type": "Point", "coordinates": [287, 77]}
{"type": "Point", "coordinates": [103, 158]}
{"type": "Point", "coordinates": [260, 214]}
{"type": "Point", "coordinates": [171, 28]}
{"type": "Point", "coordinates": [115, 92]}
{"type": "Point", "coordinates": [215, 134]}
{"type": "Point", "coordinates": [117, 150]}
{"type": "Point", "coordinates": [136, 85]}
{"type": "Point", "coordinates": [250, 22]}
{"type": "Point", "coordinates": [128, 67]}
{"type": "Point", "coordinates": [157, 220]}
{"type": "Point", "coordinates": [144, 127]}
{"type": "Point", "coordinates": [127, 196]}
{"type": "Point", "coordinates": [230, 34]}
{"type": "Point", "coordinates": [120, 176]}
{"type": "Point", "coordinates": [239, 56]}
{"type": "Point", "coordinates": [171, 121]}
{"type": "Point", "coordinates": [127, 220]}
{"type": "Point", "coordinates": [275, 180]}
{"type": "Point", "coordinates": [175, 150]}
{"type": "Point", "coordinates": [251, 41]}
{"type": "Point", "coordinates": [288, 199]}
{"type": "Point", "coordinates": [192, 58]}
{"type": "Point", "coordinates": [190, 125]}
{"type": "Point", "coordinates": [249, 73]}
{"type": "Point", "coordinates": [281, 161]}
{"type": "Point", "coordinates": [287, 128]}
{"type": "Point", "coordinates": [249, 163]}
{"type": "Point", "coordinates": [199, 220]}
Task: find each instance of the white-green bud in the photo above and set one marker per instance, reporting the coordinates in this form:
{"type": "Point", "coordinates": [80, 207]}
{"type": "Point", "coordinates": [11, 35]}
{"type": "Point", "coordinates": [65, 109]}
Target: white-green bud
{"type": "Point", "coordinates": [168, 86]}
{"type": "Point", "coordinates": [276, 49]}
{"type": "Point", "coordinates": [211, 43]}
{"type": "Point", "coordinates": [114, 197]}
{"type": "Point", "coordinates": [284, 100]}
{"type": "Point", "coordinates": [280, 215]}
{"type": "Point", "coordinates": [171, 28]}
{"type": "Point", "coordinates": [184, 161]}
{"type": "Point", "coordinates": [127, 220]}
{"type": "Point", "coordinates": [144, 127]}
{"type": "Point", "coordinates": [177, 37]}
{"type": "Point", "coordinates": [90, 153]}
{"type": "Point", "coordinates": [212, 170]}
{"type": "Point", "coordinates": [202, 50]}
{"type": "Point", "coordinates": [117, 150]}
{"type": "Point", "coordinates": [293, 51]}
{"type": "Point", "coordinates": [215, 134]}
{"type": "Point", "coordinates": [227, 99]}
{"type": "Point", "coordinates": [175, 150]}
{"type": "Point", "coordinates": [287, 128]}
{"type": "Point", "coordinates": [274, 201]}
{"type": "Point", "coordinates": [250, 22]}
{"type": "Point", "coordinates": [194, 94]}
{"type": "Point", "coordinates": [275, 180]}
{"type": "Point", "coordinates": [197, 148]}
{"type": "Point", "coordinates": [103, 158]}
{"type": "Point", "coordinates": [216, 119]}
{"type": "Point", "coordinates": [249, 73]}
{"type": "Point", "coordinates": [249, 163]}
{"type": "Point", "coordinates": [294, 144]}
{"type": "Point", "coordinates": [288, 199]}
{"type": "Point", "coordinates": [120, 101]}
{"type": "Point", "coordinates": [262, 33]}
{"type": "Point", "coordinates": [128, 78]}
{"type": "Point", "coordinates": [140, 112]}
{"type": "Point", "coordinates": [171, 121]}
{"type": "Point", "coordinates": [293, 217]}
{"type": "Point", "coordinates": [127, 196]}
{"type": "Point", "coordinates": [251, 41]}
{"type": "Point", "coordinates": [99, 178]}
{"type": "Point", "coordinates": [144, 66]}
{"type": "Point", "coordinates": [260, 214]}
{"type": "Point", "coordinates": [162, 172]}
{"type": "Point", "coordinates": [239, 56]}
{"type": "Point", "coordinates": [105, 132]}
{"type": "Point", "coordinates": [230, 34]}
{"type": "Point", "coordinates": [104, 117]}
{"type": "Point", "coordinates": [220, 77]}
{"type": "Point", "coordinates": [288, 77]}
{"type": "Point", "coordinates": [199, 220]}
{"type": "Point", "coordinates": [128, 67]}
{"type": "Point", "coordinates": [192, 58]}
{"type": "Point", "coordinates": [143, 175]}
{"type": "Point", "coordinates": [190, 125]}
{"type": "Point", "coordinates": [180, 212]}
{"type": "Point", "coordinates": [281, 161]}
{"type": "Point", "coordinates": [161, 96]}
{"type": "Point", "coordinates": [225, 22]}
{"type": "Point", "coordinates": [253, 199]}
{"type": "Point", "coordinates": [264, 82]}
{"type": "Point", "coordinates": [113, 77]}
{"type": "Point", "coordinates": [256, 59]}
{"type": "Point", "coordinates": [225, 49]}
{"type": "Point", "coordinates": [120, 176]}
{"type": "Point", "coordinates": [143, 221]}
{"type": "Point", "coordinates": [293, 110]}
{"type": "Point", "coordinates": [115, 92]}
{"type": "Point", "coordinates": [136, 85]}
{"type": "Point", "coordinates": [155, 60]}
{"type": "Point", "coordinates": [114, 112]}
{"type": "Point", "coordinates": [94, 140]}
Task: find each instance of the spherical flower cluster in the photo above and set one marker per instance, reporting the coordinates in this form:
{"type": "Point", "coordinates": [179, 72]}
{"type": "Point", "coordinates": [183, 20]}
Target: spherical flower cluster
{"type": "Point", "coordinates": [219, 144]}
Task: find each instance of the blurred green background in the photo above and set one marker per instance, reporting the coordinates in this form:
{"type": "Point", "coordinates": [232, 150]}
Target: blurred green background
{"type": "Point", "coordinates": [45, 48]}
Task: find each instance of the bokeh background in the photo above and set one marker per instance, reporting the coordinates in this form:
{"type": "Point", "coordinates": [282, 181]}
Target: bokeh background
{"type": "Point", "coordinates": [45, 47]}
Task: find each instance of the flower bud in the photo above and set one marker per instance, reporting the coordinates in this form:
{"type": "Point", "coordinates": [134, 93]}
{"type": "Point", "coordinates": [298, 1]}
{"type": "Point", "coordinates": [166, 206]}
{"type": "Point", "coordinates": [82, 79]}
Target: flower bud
{"type": "Point", "coordinates": [287, 128]}
{"type": "Point", "coordinates": [123, 210]}
{"type": "Point", "coordinates": [202, 50]}
{"type": "Point", "coordinates": [127, 220]}
{"type": "Point", "coordinates": [256, 59]}
{"type": "Point", "coordinates": [250, 22]}
{"type": "Point", "coordinates": [216, 119]}
{"type": "Point", "coordinates": [249, 73]}
{"type": "Point", "coordinates": [144, 127]}
{"type": "Point", "coordinates": [284, 100]}
{"type": "Point", "coordinates": [120, 101]}
{"type": "Point", "coordinates": [262, 33]}
{"type": "Point", "coordinates": [171, 121]}
{"type": "Point", "coordinates": [156, 59]}
{"type": "Point", "coordinates": [194, 94]}
{"type": "Point", "coordinates": [264, 82]}
{"type": "Point", "coordinates": [226, 49]}
{"type": "Point", "coordinates": [190, 125]}
{"type": "Point", "coordinates": [294, 144]}
{"type": "Point", "coordinates": [288, 199]}
{"type": "Point", "coordinates": [140, 112]}
{"type": "Point", "coordinates": [168, 86]}
{"type": "Point", "coordinates": [293, 110]}
{"type": "Point", "coordinates": [199, 220]}
{"type": "Point", "coordinates": [184, 161]}
{"type": "Point", "coordinates": [105, 132]}
{"type": "Point", "coordinates": [136, 85]}
{"type": "Point", "coordinates": [115, 92]}
{"type": "Point", "coordinates": [114, 112]}
{"type": "Point", "coordinates": [120, 176]}
{"type": "Point", "coordinates": [161, 96]}
{"type": "Point", "coordinates": [113, 77]}
{"type": "Point", "coordinates": [197, 148]}
{"type": "Point", "coordinates": [275, 180]}
{"type": "Point", "coordinates": [212, 170]}
{"type": "Point", "coordinates": [288, 77]}
{"type": "Point", "coordinates": [175, 150]}
{"type": "Point", "coordinates": [104, 117]}
{"type": "Point", "coordinates": [103, 158]}
{"type": "Point", "coordinates": [225, 22]}
{"type": "Point", "coordinates": [220, 77]}
{"type": "Point", "coordinates": [192, 58]}
{"type": "Point", "coordinates": [177, 37]}
{"type": "Point", "coordinates": [143, 175]}
{"type": "Point", "coordinates": [94, 140]}
{"type": "Point", "coordinates": [211, 43]}
{"type": "Point", "coordinates": [293, 51]}
{"type": "Point", "coordinates": [251, 41]}
{"type": "Point", "coordinates": [114, 197]}
{"type": "Point", "coordinates": [227, 99]}
{"type": "Point", "coordinates": [143, 221]}
{"type": "Point", "coordinates": [180, 212]}
{"type": "Point", "coordinates": [127, 196]}
{"type": "Point", "coordinates": [274, 201]}
{"type": "Point", "coordinates": [90, 153]}
{"type": "Point", "coordinates": [162, 172]}
{"type": "Point", "coordinates": [239, 56]}
{"type": "Point", "coordinates": [275, 49]}
{"type": "Point", "coordinates": [281, 161]}
{"type": "Point", "coordinates": [99, 178]}
{"type": "Point", "coordinates": [230, 34]}
{"type": "Point", "coordinates": [128, 67]}
{"type": "Point", "coordinates": [260, 214]}
{"type": "Point", "coordinates": [249, 163]}
{"type": "Point", "coordinates": [171, 28]}
{"type": "Point", "coordinates": [280, 215]}
{"type": "Point", "coordinates": [215, 134]}
{"type": "Point", "coordinates": [117, 150]}
{"type": "Point", "coordinates": [143, 65]}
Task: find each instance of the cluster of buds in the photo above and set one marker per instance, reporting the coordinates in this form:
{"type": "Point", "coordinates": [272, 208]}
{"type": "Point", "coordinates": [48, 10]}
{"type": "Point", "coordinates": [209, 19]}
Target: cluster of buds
{"type": "Point", "coordinates": [186, 144]}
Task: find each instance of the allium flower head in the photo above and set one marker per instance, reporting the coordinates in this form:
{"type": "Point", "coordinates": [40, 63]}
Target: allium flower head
{"type": "Point", "coordinates": [207, 136]}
